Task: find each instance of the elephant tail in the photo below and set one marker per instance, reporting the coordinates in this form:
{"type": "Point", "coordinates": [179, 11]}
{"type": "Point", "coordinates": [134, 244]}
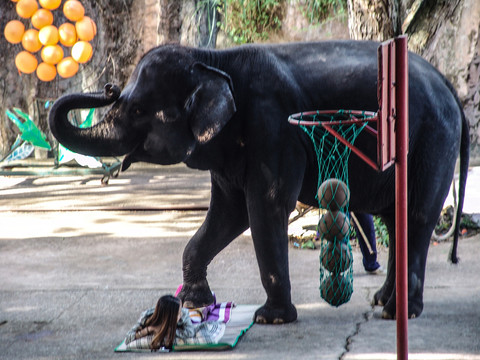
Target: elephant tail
{"type": "Point", "coordinates": [464, 160]}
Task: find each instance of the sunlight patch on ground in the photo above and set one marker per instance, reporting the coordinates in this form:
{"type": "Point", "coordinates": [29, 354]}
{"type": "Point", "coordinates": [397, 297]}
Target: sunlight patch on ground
{"type": "Point", "coordinates": [113, 224]}
{"type": "Point", "coordinates": [312, 306]}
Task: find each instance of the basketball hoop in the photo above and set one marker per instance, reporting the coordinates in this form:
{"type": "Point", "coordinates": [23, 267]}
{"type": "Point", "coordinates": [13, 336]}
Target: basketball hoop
{"type": "Point", "coordinates": [332, 120]}
{"type": "Point", "coordinates": [391, 133]}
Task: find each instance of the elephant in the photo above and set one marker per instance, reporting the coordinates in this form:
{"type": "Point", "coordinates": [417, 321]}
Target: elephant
{"type": "Point", "coordinates": [226, 111]}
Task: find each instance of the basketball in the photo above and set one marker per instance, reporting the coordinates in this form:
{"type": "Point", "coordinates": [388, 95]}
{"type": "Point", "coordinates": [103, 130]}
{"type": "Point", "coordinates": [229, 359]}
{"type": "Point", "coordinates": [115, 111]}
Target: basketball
{"type": "Point", "coordinates": [336, 290]}
{"type": "Point", "coordinates": [333, 194]}
{"type": "Point", "coordinates": [336, 257]}
{"type": "Point", "coordinates": [333, 224]}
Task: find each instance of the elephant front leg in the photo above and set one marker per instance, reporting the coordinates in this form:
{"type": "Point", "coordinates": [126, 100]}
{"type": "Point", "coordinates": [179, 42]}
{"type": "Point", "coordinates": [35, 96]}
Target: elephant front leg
{"type": "Point", "coordinates": [226, 219]}
{"type": "Point", "coordinates": [270, 239]}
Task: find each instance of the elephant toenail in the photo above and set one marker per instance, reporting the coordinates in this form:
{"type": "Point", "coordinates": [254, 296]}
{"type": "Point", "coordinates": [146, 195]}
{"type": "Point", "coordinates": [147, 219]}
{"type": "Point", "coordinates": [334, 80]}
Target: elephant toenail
{"type": "Point", "coordinates": [278, 321]}
{"type": "Point", "coordinates": [260, 320]}
{"type": "Point", "coordinates": [386, 315]}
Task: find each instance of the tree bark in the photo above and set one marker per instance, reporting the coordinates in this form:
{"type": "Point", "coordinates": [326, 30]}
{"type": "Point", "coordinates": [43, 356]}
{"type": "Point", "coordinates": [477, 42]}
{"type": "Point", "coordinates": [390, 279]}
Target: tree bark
{"type": "Point", "coordinates": [372, 19]}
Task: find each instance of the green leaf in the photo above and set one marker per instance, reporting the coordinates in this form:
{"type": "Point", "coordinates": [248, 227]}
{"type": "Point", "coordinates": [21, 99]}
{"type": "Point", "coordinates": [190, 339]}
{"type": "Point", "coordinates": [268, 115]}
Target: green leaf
{"type": "Point", "coordinates": [15, 120]}
{"type": "Point", "coordinates": [29, 131]}
{"type": "Point", "coordinates": [88, 121]}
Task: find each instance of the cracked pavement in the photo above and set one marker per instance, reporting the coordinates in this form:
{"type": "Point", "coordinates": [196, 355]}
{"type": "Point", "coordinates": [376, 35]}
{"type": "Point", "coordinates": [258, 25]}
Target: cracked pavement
{"type": "Point", "coordinates": [77, 271]}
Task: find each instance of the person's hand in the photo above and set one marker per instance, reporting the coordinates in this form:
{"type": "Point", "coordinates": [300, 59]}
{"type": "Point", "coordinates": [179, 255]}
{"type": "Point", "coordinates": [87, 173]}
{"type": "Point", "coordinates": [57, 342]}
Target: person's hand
{"type": "Point", "coordinates": [142, 332]}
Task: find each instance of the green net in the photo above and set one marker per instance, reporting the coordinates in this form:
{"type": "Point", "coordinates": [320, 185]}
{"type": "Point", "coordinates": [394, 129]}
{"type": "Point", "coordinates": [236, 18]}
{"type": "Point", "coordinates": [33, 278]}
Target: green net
{"type": "Point", "coordinates": [336, 259]}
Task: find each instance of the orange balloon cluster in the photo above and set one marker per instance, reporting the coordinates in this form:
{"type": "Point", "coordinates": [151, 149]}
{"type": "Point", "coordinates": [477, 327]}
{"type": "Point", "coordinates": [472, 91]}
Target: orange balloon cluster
{"type": "Point", "coordinates": [50, 42]}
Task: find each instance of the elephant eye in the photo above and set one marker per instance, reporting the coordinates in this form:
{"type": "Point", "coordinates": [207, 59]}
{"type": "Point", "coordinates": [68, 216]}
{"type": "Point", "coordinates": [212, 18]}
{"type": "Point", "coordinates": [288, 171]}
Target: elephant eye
{"type": "Point", "coordinates": [137, 111]}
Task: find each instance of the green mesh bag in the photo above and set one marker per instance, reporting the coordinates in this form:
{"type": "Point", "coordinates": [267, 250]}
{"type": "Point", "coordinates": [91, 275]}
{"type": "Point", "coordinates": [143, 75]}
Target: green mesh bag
{"type": "Point", "coordinates": [336, 260]}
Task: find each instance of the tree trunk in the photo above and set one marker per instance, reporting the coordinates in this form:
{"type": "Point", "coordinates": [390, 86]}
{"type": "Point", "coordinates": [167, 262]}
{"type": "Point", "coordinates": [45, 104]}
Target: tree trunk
{"type": "Point", "coordinates": [372, 19]}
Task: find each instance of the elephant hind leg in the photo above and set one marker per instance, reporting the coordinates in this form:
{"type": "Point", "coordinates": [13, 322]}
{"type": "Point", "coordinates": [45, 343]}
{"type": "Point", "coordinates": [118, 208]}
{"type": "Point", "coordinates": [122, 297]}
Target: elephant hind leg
{"type": "Point", "coordinates": [418, 241]}
{"type": "Point", "coordinates": [384, 294]}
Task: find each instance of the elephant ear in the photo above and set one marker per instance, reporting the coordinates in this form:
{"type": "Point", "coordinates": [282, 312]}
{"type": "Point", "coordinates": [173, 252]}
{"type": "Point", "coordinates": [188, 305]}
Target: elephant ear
{"type": "Point", "coordinates": [211, 104]}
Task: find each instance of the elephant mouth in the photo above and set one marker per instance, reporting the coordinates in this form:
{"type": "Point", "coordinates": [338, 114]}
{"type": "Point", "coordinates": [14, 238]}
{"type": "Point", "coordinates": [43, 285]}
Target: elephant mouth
{"type": "Point", "coordinates": [131, 157]}
{"type": "Point", "coordinates": [161, 157]}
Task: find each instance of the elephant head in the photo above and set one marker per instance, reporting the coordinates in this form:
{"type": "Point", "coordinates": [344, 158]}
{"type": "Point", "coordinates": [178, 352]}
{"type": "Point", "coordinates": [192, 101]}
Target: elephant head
{"type": "Point", "coordinates": [172, 104]}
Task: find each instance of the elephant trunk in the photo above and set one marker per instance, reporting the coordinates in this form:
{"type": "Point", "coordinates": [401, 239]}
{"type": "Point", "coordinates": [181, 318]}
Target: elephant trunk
{"type": "Point", "coordinates": [103, 139]}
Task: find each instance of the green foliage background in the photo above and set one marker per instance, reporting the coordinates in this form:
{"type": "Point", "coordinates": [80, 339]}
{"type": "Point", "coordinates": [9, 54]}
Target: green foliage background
{"type": "Point", "coordinates": [247, 21]}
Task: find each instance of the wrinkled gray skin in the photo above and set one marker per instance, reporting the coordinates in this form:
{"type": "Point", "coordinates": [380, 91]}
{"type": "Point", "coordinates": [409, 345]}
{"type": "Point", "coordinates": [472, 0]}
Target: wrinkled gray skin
{"type": "Point", "coordinates": [226, 112]}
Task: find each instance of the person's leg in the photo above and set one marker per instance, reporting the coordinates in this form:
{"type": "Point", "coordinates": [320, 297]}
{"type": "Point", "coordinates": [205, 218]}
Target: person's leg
{"type": "Point", "coordinates": [369, 259]}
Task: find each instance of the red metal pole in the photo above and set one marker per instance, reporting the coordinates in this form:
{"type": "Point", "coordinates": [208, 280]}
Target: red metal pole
{"type": "Point", "coordinates": [401, 195]}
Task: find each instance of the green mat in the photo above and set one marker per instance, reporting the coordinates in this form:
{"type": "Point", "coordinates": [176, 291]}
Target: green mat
{"type": "Point", "coordinates": [241, 320]}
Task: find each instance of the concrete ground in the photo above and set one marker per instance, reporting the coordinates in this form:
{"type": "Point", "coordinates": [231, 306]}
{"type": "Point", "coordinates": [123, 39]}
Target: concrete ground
{"type": "Point", "coordinates": [81, 261]}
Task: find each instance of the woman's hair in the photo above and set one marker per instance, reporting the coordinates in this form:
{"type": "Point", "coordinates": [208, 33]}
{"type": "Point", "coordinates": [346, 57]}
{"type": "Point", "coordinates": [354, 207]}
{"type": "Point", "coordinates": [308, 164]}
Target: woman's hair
{"type": "Point", "coordinates": [165, 317]}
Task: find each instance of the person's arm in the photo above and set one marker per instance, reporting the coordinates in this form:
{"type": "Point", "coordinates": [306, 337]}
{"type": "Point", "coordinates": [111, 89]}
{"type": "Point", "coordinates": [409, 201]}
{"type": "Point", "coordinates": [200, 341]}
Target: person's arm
{"type": "Point", "coordinates": [185, 328]}
{"type": "Point", "coordinates": [139, 327]}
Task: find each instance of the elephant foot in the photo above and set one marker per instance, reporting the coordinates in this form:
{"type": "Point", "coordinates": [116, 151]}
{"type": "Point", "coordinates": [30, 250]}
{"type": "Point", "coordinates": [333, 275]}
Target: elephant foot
{"type": "Point", "coordinates": [380, 298]}
{"type": "Point", "coordinates": [388, 300]}
{"type": "Point", "coordinates": [415, 309]}
{"type": "Point", "coordinates": [195, 296]}
{"type": "Point", "coordinates": [268, 314]}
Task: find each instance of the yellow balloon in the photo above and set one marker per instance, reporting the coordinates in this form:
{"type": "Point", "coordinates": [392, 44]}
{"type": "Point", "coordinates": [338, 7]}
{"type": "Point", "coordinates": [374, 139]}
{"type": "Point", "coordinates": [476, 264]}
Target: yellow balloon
{"type": "Point", "coordinates": [48, 35]}
{"type": "Point", "coordinates": [14, 31]}
{"type": "Point", "coordinates": [73, 10]}
{"type": "Point", "coordinates": [26, 8]}
{"type": "Point", "coordinates": [46, 72]}
{"type": "Point", "coordinates": [41, 18]}
{"type": "Point", "coordinates": [52, 54]}
{"type": "Point", "coordinates": [86, 29]}
{"type": "Point", "coordinates": [67, 34]}
{"type": "Point", "coordinates": [67, 67]}
{"type": "Point", "coordinates": [26, 62]}
{"type": "Point", "coordinates": [50, 4]}
{"type": "Point", "coordinates": [82, 52]}
{"type": "Point", "coordinates": [30, 41]}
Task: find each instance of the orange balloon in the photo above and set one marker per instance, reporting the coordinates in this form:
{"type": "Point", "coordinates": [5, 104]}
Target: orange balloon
{"type": "Point", "coordinates": [46, 72]}
{"type": "Point", "coordinates": [67, 34]}
{"type": "Point", "coordinates": [26, 8]}
{"type": "Point", "coordinates": [14, 0]}
{"type": "Point", "coordinates": [30, 41]}
{"type": "Point", "coordinates": [67, 67]}
{"type": "Point", "coordinates": [48, 35]}
{"type": "Point", "coordinates": [50, 4]}
{"type": "Point", "coordinates": [73, 10]}
{"type": "Point", "coordinates": [41, 18]}
{"type": "Point", "coordinates": [14, 31]}
{"type": "Point", "coordinates": [52, 54]}
{"type": "Point", "coordinates": [86, 29]}
{"type": "Point", "coordinates": [82, 52]}
{"type": "Point", "coordinates": [26, 62]}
